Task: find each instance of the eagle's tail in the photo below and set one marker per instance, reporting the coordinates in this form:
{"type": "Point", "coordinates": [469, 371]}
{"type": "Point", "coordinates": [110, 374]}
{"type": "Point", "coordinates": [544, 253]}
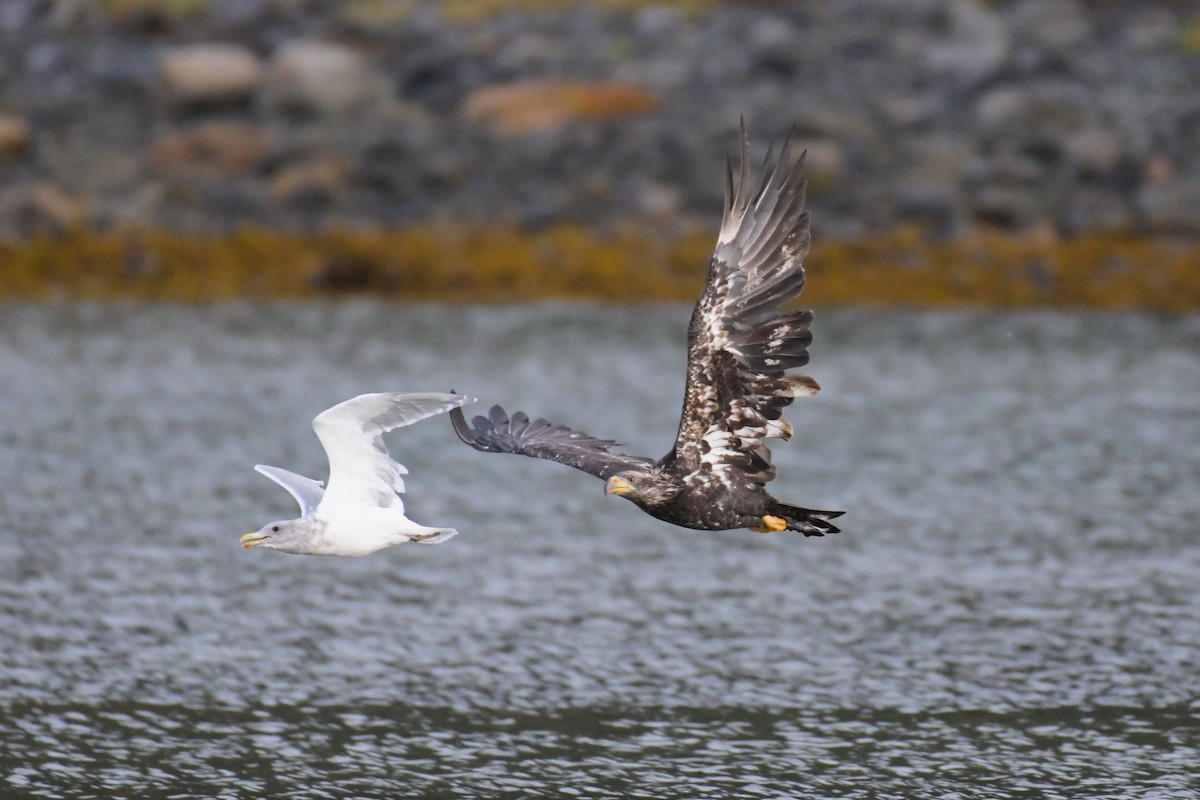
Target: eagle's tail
{"type": "Point", "coordinates": [809, 521]}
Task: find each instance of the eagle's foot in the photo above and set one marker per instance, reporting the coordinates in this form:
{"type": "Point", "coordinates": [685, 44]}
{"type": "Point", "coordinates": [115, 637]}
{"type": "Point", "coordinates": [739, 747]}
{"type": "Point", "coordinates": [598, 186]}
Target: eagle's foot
{"type": "Point", "coordinates": [771, 524]}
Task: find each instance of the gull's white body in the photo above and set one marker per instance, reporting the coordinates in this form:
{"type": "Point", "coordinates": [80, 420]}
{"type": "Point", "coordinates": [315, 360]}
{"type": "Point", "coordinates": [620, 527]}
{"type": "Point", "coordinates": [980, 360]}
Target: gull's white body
{"type": "Point", "coordinates": [361, 510]}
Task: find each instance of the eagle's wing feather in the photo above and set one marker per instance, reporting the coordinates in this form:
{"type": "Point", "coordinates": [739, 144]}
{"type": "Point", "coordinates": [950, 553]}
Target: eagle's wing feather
{"type": "Point", "coordinates": [497, 433]}
{"type": "Point", "coordinates": [739, 344]}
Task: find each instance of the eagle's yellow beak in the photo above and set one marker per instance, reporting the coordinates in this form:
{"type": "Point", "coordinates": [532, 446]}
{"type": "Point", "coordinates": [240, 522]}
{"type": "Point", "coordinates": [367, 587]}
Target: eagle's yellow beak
{"type": "Point", "coordinates": [252, 539]}
{"type": "Point", "coordinates": [617, 485]}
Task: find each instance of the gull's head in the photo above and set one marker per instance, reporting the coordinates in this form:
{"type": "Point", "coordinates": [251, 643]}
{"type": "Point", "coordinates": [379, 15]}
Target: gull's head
{"type": "Point", "coordinates": [290, 536]}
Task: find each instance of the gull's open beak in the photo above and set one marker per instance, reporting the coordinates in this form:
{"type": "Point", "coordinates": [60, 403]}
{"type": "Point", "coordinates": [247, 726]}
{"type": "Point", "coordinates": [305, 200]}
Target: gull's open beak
{"type": "Point", "coordinates": [616, 485]}
{"type": "Point", "coordinates": [252, 539]}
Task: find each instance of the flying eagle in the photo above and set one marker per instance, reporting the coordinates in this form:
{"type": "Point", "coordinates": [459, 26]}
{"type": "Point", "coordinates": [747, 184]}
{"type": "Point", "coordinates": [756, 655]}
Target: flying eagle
{"type": "Point", "coordinates": [740, 346]}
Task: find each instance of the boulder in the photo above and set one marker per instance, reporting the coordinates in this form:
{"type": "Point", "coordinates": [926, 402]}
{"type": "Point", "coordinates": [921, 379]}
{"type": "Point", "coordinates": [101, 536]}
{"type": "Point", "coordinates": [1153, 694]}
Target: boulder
{"type": "Point", "coordinates": [1170, 205]}
{"type": "Point", "coordinates": [975, 43]}
{"type": "Point", "coordinates": [209, 73]}
{"type": "Point", "coordinates": [541, 105]}
{"type": "Point", "coordinates": [1005, 207]}
{"type": "Point", "coordinates": [323, 78]}
{"type": "Point", "coordinates": [14, 136]}
{"type": "Point", "coordinates": [1096, 210]}
{"type": "Point", "coordinates": [39, 209]}
{"type": "Point", "coordinates": [1096, 151]}
{"type": "Point", "coordinates": [316, 179]}
{"type": "Point", "coordinates": [824, 162]}
{"type": "Point", "coordinates": [210, 150]}
{"type": "Point", "coordinates": [1038, 112]}
{"type": "Point", "coordinates": [1050, 24]}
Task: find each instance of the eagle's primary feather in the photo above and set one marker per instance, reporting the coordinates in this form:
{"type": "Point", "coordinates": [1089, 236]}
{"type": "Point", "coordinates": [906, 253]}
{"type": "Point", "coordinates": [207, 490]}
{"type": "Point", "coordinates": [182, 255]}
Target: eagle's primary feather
{"type": "Point", "coordinates": [740, 348]}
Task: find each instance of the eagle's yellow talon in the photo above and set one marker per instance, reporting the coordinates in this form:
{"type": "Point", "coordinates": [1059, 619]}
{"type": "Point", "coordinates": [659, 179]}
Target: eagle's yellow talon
{"type": "Point", "coordinates": [771, 524]}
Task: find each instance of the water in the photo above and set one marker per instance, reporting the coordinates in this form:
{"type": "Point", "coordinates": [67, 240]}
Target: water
{"type": "Point", "coordinates": [1012, 611]}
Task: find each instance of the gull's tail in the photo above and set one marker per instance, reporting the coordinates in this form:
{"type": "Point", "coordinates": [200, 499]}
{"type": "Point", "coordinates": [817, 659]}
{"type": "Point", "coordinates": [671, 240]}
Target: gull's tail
{"type": "Point", "coordinates": [435, 536]}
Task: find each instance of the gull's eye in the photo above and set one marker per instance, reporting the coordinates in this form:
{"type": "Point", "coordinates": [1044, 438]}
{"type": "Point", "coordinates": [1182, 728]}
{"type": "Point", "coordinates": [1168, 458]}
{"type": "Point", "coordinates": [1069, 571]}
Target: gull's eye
{"type": "Point", "coordinates": [274, 529]}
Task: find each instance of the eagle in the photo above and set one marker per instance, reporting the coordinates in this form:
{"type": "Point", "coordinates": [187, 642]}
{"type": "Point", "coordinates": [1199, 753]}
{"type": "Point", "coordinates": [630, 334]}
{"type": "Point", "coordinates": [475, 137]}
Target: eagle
{"type": "Point", "coordinates": [741, 344]}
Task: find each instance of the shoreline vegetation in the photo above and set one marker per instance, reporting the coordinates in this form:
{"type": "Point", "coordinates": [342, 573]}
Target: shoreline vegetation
{"type": "Point", "coordinates": [569, 261]}
{"type": "Point", "coordinates": [986, 153]}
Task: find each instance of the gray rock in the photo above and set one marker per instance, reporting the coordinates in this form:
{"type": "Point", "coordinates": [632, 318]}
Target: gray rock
{"type": "Point", "coordinates": [1152, 29]}
{"type": "Point", "coordinates": [929, 185]}
{"type": "Point", "coordinates": [1097, 151]}
{"type": "Point", "coordinates": [322, 78]}
{"type": "Point", "coordinates": [1004, 207]}
{"type": "Point", "coordinates": [1094, 210]}
{"type": "Point", "coordinates": [1171, 205]}
{"type": "Point", "coordinates": [657, 201]}
{"type": "Point", "coordinates": [824, 161]}
{"type": "Point", "coordinates": [935, 205]}
{"type": "Point", "coordinates": [774, 45]}
{"type": "Point", "coordinates": [39, 209]}
{"type": "Point", "coordinates": [1047, 111]}
{"type": "Point", "coordinates": [975, 42]}
{"type": "Point", "coordinates": [998, 108]}
{"type": "Point", "coordinates": [1050, 24]}
{"type": "Point", "coordinates": [529, 53]}
{"type": "Point", "coordinates": [656, 21]}
{"type": "Point", "coordinates": [940, 159]}
{"type": "Point", "coordinates": [909, 110]}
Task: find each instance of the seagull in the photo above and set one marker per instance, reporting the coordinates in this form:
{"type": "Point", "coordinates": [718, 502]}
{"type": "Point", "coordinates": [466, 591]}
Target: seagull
{"type": "Point", "coordinates": [361, 511]}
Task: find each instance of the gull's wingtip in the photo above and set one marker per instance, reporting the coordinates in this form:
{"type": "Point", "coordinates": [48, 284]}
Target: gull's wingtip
{"type": "Point", "coordinates": [387, 410]}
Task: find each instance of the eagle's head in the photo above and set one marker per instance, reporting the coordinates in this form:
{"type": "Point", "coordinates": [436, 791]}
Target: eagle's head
{"type": "Point", "coordinates": [643, 488]}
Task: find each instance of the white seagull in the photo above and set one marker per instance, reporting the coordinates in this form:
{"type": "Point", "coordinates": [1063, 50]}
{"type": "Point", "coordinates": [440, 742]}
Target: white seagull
{"type": "Point", "coordinates": [361, 511]}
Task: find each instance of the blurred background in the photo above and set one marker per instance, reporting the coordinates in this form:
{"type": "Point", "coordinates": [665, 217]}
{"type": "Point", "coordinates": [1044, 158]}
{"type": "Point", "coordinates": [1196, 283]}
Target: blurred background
{"type": "Point", "coordinates": [1012, 609]}
{"type": "Point", "coordinates": [493, 140]}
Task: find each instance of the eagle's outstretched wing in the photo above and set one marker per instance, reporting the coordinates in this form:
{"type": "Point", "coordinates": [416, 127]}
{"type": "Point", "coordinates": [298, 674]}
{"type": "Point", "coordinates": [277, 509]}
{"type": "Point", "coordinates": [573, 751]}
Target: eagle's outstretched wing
{"type": "Point", "coordinates": [496, 433]}
{"type": "Point", "coordinates": [739, 343]}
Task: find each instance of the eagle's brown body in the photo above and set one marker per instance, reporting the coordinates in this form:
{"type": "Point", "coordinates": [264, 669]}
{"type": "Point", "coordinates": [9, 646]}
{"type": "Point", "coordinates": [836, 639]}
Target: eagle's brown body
{"type": "Point", "coordinates": [740, 348]}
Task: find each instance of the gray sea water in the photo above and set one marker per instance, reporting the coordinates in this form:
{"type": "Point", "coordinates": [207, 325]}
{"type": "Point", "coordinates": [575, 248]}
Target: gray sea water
{"type": "Point", "coordinates": [1013, 609]}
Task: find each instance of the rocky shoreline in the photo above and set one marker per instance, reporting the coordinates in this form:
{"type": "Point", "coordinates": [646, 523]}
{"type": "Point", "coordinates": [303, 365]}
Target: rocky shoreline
{"type": "Point", "coordinates": [1056, 118]}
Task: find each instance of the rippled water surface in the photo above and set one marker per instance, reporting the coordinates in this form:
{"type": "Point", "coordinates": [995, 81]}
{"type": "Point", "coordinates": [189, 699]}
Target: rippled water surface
{"type": "Point", "coordinates": [1012, 611]}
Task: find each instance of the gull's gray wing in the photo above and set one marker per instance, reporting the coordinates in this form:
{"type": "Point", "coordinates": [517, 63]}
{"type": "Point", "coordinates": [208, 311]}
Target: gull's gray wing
{"type": "Point", "coordinates": [360, 470]}
{"type": "Point", "coordinates": [308, 493]}
{"type": "Point", "coordinates": [496, 433]}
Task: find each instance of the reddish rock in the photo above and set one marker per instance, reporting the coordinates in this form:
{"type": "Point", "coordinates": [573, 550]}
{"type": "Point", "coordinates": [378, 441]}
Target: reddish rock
{"type": "Point", "coordinates": [531, 106]}
{"type": "Point", "coordinates": [14, 135]}
{"type": "Point", "coordinates": [213, 149]}
{"type": "Point", "coordinates": [321, 177]}
{"type": "Point", "coordinates": [40, 209]}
